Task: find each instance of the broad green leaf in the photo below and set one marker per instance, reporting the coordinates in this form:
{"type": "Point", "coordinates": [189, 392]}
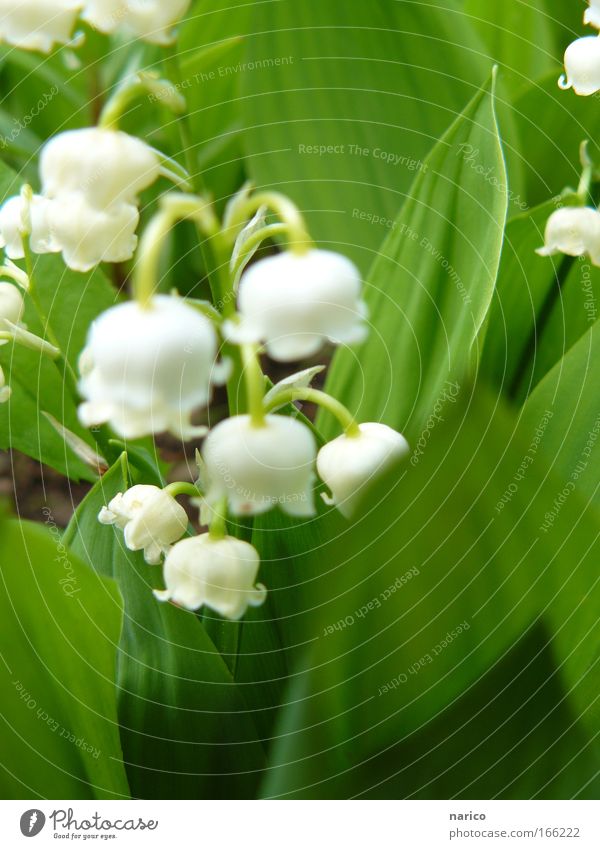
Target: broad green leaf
{"type": "Point", "coordinates": [212, 66]}
{"type": "Point", "coordinates": [59, 624]}
{"type": "Point", "coordinates": [431, 286]}
{"type": "Point", "coordinates": [429, 606]}
{"type": "Point", "coordinates": [343, 101]}
{"type": "Point", "coordinates": [186, 731]}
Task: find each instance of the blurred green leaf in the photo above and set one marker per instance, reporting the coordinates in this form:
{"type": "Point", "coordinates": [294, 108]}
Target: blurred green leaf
{"type": "Point", "coordinates": [59, 624]}
{"type": "Point", "coordinates": [186, 731]}
{"type": "Point", "coordinates": [541, 307]}
{"type": "Point", "coordinates": [342, 102]}
{"type": "Point", "coordinates": [550, 126]}
{"type": "Point", "coordinates": [430, 288]}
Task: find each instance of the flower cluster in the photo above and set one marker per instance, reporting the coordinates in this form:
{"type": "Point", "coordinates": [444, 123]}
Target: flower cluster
{"type": "Point", "coordinates": [582, 57]}
{"type": "Point", "coordinates": [42, 24]}
{"type": "Point", "coordinates": [575, 230]}
{"type": "Point", "coordinates": [91, 179]}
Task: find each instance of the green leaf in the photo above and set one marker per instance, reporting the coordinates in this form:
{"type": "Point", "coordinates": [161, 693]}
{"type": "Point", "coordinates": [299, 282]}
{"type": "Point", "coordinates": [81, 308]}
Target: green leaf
{"type": "Point", "coordinates": [343, 101]}
{"type": "Point", "coordinates": [430, 288]}
{"type": "Point", "coordinates": [427, 672]}
{"type": "Point", "coordinates": [550, 125]}
{"type": "Point", "coordinates": [59, 625]}
{"type": "Point", "coordinates": [186, 731]}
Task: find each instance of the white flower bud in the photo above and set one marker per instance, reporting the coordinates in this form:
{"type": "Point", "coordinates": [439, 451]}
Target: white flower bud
{"type": "Point", "coordinates": [11, 304]}
{"type": "Point", "coordinates": [257, 468]}
{"type": "Point", "coordinates": [592, 14]}
{"type": "Point", "coordinates": [150, 20]}
{"type": "Point", "coordinates": [88, 236]}
{"type": "Point", "coordinates": [37, 24]}
{"type": "Point", "coordinates": [146, 369]}
{"type": "Point", "coordinates": [13, 226]}
{"type": "Point", "coordinates": [106, 166]}
{"type": "Point", "coordinates": [573, 230]}
{"type": "Point", "coordinates": [294, 302]}
{"type": "Point", "coordinates": [582, 64]}
{"type": "Point", "coordinates": [218, 573]}
{"type": "Point", "coordinates": [349, 462]}
{"type": "Point", "coordinates": [151, 519]}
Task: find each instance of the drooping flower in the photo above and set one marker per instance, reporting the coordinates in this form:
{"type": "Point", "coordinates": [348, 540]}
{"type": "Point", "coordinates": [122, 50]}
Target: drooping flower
{"type": "Point", "coordinates": [146, 369]}
{"type": "Point", "coordinates": [151, 519]}
{"type": "Point", "coordinates": [37, 24]}
{"type": "Point", "coordinates": [150, 20]}
{"type": "Point", "coordinates": [348, 463]}
{"type": "Point", "coordinates": [218, 573]}
{"type": "Point", "coordinates": [107, 167]}
{"type": "Point", "coordinates": [259, 467]}
{"type": "Point", "coordinates": [295, 302]}
{"type": "Point", "coordinates": [592, 14]}
{"type": "Point", "coordinates": [87, 235]}
{"type": "Point", "coordinates": [582, 66]}
{"type": "Point", "coordinates": [17, 215]}
{"type": "Point", "coordinates": [573, 230]}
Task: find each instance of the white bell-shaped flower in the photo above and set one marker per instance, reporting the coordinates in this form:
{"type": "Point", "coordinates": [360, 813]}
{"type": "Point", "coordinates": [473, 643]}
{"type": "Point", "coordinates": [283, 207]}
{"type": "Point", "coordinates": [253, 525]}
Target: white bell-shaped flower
{"type": "Point", "coordinates": [592, 14]}
{"type": "Point", "coordinates": [151, 519]}
{"type": "Point", "coordinates": [150, 20]}
{"type": "Point", "coordinates": [348, 463]}
{"type": "Point", "coordinates": [37, 24]}
{"type": "Point", "coordinates": [573, 230]}
{"type": "Point", "coordinates": [107, 166]}
{"type": "Point", "coordinates": [295, 302]}
{"type": "Point", "coordinates": [12, 304]}
{"type": "Point", "coordinates": [87, 235]}
{"type": "Point", "coordinates": [13, 226]}
{"type": "Point", "coordinates": [218, 573]}
{"type": "Point", "coordinates": [582, 66]}
{"type": "Point", "coordinates": [257, 468]}
{"type": "Point", "coordinates": [146, 369]}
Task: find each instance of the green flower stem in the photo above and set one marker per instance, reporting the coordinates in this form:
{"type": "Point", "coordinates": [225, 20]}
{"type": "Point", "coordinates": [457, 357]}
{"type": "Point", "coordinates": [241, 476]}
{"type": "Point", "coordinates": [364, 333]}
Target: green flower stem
{"type": "Point", "coordinates": [182, 488]}
{"type": "Point", "coordinates": [316, 396]}
{"type": "Point", "coordinates": [288, 212]}
{"type": "Point", "coordinates": [255, 384]}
